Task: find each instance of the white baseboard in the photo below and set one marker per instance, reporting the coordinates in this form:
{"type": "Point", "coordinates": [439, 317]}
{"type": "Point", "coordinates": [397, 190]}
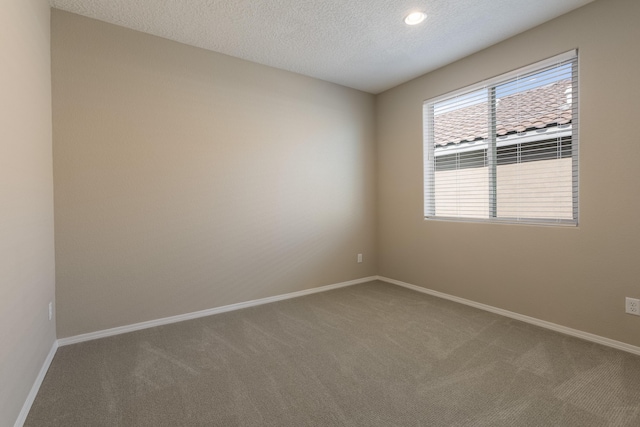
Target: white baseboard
{"type": "Point", "coordinates": [22, 417]}
{"type": "Point", "coordinates": [194, 315]}
{"type": "Point", "coordinates": [532, 320]}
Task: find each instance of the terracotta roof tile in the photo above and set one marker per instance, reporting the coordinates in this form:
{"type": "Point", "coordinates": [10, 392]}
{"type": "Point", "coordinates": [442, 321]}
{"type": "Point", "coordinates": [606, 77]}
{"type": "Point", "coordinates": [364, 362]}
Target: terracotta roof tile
{"type": "Point", "coordinates": [536, 108]}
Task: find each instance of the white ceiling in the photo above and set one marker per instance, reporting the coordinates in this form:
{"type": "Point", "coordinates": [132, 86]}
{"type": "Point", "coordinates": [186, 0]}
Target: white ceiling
{"type": "Point", "coordinates": [363, 44]}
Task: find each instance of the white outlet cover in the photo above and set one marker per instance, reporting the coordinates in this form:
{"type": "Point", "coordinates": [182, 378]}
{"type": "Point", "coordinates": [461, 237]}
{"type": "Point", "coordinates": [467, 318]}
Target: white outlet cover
{"type": "Point", "coordinates": [632, 306]}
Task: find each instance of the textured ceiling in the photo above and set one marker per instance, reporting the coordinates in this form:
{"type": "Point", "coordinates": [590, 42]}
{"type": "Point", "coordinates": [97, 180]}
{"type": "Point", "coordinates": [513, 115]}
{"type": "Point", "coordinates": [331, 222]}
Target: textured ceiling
{"type": "Point", "coordinates": [363, 44]}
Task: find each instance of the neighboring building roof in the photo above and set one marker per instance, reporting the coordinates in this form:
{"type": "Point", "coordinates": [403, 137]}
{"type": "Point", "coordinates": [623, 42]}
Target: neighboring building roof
{"type": "Point", "coordinates": [537, 108]}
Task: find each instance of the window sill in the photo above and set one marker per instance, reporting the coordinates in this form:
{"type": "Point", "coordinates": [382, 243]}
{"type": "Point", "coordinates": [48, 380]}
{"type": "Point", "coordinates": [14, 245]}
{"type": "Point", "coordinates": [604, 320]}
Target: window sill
{"type": "Point", "coordinates": [512, 221]}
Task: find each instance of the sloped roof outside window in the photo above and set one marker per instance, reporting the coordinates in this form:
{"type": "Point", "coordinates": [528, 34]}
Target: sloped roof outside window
{"type": "Point", "coordinates": [537, 108]}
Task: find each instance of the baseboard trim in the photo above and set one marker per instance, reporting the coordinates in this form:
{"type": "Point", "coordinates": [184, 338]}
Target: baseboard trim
{"type": "Point", "coordinates": [31, 397]}
{"type": "Point", "coordinates": [532, 320]}
{"type": "Point", "coordinates": [208, 312]}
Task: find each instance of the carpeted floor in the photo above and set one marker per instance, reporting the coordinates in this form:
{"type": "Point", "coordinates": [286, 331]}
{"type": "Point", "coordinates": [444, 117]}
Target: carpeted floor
{"type": "Point", "coordinates": [368, 355]}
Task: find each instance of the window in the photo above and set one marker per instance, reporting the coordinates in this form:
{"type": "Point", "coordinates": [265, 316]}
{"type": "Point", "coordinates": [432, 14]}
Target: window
{"type": "Point", "coordinates": [506, 150]}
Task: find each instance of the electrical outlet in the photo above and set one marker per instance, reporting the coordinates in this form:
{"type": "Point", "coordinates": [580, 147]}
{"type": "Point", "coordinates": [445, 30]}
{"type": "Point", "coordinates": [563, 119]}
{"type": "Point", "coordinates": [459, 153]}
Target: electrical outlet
{"type": "Point", "coordinates": [632, 306]}
{"type": "Point", "coordinates": [359, 257]}
{"type": "Point", "coordinates": [50, 310]}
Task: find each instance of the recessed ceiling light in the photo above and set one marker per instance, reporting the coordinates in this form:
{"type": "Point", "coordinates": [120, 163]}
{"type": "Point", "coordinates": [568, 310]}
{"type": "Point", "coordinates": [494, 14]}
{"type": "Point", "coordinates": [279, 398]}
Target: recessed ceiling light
{"type": "Point", "coordinates": [415, 18]}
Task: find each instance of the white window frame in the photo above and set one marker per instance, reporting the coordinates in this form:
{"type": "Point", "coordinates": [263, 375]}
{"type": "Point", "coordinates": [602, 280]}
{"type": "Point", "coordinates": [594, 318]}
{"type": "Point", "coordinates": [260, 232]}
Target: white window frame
{"type": "Point", "coordinates": [494, 141]}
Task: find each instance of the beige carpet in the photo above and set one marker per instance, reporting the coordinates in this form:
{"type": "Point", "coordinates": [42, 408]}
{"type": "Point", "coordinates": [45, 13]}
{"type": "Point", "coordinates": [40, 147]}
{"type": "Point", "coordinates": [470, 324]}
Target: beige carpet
{"type": "Point", "coordinates": [367, 355]}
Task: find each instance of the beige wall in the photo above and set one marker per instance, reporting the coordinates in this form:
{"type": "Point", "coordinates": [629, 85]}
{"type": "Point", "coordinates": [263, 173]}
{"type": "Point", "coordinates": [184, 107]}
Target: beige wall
{"type": "Point", "coordinates": [186, 179]}
{"type": "Point", "coordinates": [577, 277]}
{"type": "Point", "coordinates": [542, 189]}
{"type": "Point", "coordinates": [26, 201]}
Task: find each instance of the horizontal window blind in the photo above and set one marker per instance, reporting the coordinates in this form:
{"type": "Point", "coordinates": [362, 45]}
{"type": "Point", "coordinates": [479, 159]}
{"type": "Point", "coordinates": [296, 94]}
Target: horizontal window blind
{"type": "Point", "coordinates": [506, 150]}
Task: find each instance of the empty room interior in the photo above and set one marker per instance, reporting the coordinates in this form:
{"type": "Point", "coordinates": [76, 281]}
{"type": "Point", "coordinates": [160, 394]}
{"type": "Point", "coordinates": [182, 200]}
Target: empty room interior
{"type": "Point", "coordinates": [319, 213]}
